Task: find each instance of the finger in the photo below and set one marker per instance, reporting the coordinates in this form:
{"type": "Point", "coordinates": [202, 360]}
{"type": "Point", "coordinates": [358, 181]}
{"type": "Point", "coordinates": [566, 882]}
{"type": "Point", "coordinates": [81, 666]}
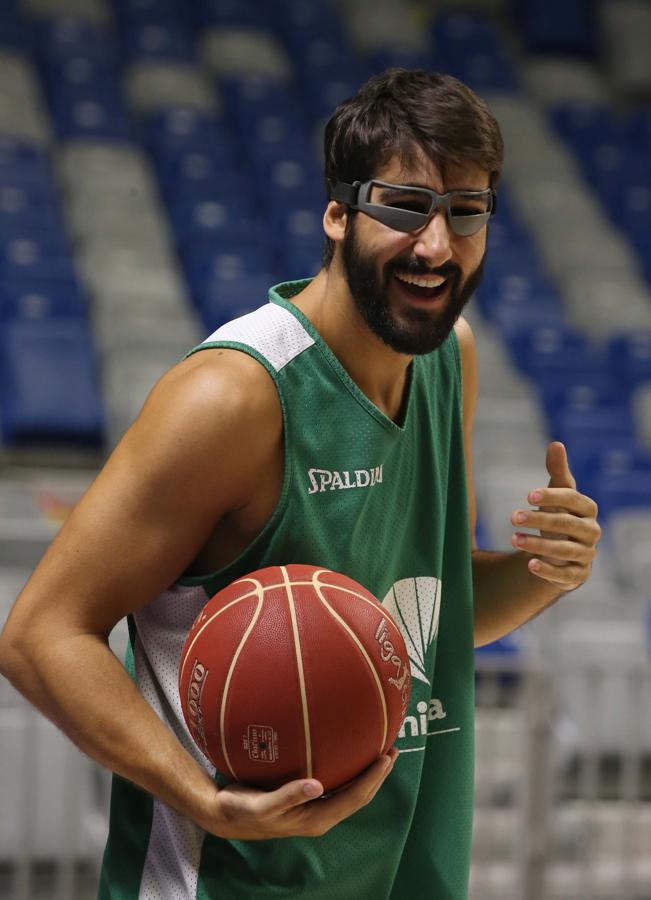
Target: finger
{"type": "Point", "coordinates": [562, 551]}
{"type": "Point", "coordinates": [565, 498]}
{"type": "Point", "coordinates": [564, 577]}
{"type": "Point", "coordinates": [585, 531]}
{"type": "Point", "coordinates": [331, 810]}
{"type": "Point", "coordinates": [558, 466]}
{"type": "Point", "coordinates": [294, 793]}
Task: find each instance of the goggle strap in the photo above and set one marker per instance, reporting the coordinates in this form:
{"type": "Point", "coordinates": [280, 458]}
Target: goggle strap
{"type": "Point", "coordinates": [345, 193]}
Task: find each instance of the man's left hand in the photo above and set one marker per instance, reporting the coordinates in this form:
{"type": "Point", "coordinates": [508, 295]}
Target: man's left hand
{"type": "Point", "coordinates": [569, 532]}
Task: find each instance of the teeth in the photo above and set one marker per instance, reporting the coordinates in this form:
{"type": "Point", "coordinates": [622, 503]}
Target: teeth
{"type": "Point", "coordinates": [431, 281]}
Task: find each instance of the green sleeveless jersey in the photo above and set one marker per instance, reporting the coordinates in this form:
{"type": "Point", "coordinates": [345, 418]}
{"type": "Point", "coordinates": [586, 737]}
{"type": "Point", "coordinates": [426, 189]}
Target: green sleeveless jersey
{"type": "Point", "coordinates": [385, 504]}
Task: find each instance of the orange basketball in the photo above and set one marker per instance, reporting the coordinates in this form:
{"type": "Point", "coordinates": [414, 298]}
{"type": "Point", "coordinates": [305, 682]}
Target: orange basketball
{"type": "Point", "coordinates": [294, 672]}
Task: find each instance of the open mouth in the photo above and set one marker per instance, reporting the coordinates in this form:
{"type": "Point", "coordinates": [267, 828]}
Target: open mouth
{"type": "Point", "coordinates": [423, 287]}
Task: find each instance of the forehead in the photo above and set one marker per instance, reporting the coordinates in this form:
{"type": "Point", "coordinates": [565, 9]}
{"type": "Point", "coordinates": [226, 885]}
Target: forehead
{"type": "Point", "coordinates": [425, 173]}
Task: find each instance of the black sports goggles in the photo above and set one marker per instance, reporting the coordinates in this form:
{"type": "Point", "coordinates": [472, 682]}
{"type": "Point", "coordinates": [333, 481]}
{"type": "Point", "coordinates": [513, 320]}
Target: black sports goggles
{"type": "Point", "coordinates": [406, 208]}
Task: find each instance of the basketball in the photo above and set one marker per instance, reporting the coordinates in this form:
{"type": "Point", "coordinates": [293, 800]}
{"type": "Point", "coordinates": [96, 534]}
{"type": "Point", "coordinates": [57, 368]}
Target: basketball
{"type": "Point", "coordinates": [294, 672]}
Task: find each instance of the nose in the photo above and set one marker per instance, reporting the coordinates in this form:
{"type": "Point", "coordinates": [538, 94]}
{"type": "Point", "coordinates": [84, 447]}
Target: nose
{"type": "Point", "coordinates": [433, 242]}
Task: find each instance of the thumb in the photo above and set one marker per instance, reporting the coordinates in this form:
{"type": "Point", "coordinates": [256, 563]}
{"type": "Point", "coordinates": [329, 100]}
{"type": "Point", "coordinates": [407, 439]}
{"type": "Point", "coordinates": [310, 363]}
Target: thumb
{"type": "Point", "coordinates": [558, 466]}
{"type": "Point", "coordinates": [292, 794]}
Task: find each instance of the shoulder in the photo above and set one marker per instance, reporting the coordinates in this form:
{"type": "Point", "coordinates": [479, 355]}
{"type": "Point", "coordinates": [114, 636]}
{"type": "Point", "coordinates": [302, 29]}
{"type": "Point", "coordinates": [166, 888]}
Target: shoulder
{"type": "Point", "coordinates": [230, 378]}
{"type": "Point", "coordinates": [465, 337]}
{"type": "Point", "coordinates": [468, 354]}
{"type": "Point", "coordinates": [214, 416]}
{"type": "Point", "coordinates": [467, 347]}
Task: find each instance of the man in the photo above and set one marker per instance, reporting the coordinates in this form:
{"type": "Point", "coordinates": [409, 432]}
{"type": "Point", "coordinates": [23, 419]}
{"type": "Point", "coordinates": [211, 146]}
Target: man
{"type": "Point", "coordinates": [329, 427]}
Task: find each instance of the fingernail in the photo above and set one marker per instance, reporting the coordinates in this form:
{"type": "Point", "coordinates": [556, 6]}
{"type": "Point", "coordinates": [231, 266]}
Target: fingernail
{"type": "Point", "coordinates": [520, 540]}
{"type": "Point", "coordinates": [536, 496]}
{"type": "Point", "coordinates": [534, 565]}
{"type": "Point", "coordinates": [311, 789]}
{"type": "Point", "coordinates": [520, 517]}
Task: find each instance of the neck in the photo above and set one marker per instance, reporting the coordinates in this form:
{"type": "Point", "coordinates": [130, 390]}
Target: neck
{"type": "Point", "coordinates": [378, 371]}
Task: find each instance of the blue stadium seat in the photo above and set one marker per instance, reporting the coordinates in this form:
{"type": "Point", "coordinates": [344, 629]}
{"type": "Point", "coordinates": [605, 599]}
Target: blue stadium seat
{"type": "Point", "coordinates": [298, 265]}
{"type": "Point", "coordinates": [105, 92]}
{"type": "Point", "coordinates": [298, 238]}
{"type": "Point", "coordinates": [536, 311]}
{"type": "Point", "coordinates": [290, 183]}
{"type": "Point", "coordinates": [229, 186]}
{"type": "Point", "coordinates": [631, 207]}
{"type": "Point", "coordinates": [232, 13]}
{"type": "Point", "coordinates": [324, 93]}
{"type": "Point", "coordinates": [613, 455]}
{"type": "Point", "coordinates": [298, 21]}
{"type": "Point", "coordinates": [600, 443]}
{"type": "Point", "coordinates": [142, 9]}
{"type": "Point", "coordinates": [227, 298]}
{"type": "Point", "coordinates": [40, 299]}
{"type": "Point", "coordinates": [17, 151]}
{"type": "Point", "coordinates": [15, 33]}
{"type": "Point", "coordinates": [62, 36]}
{"type": "Point", "coordinates": [639, 126]}
{"type": "Point", "coordinates": [269, 137]}
{"type": "Point", "coordinates": [34, 223]}
{"type": "Point", "coordinates": [622, 490]}
{"type": "Point", "coordinates": [79, 70]}
{"type": "Point", "coordinates": [212, 220]}
{"type": "Point", "coordinates": [91, 120]}
{"type": "Point", "coordinates": [585, 123]}
{"type": "Point", "coordinates": [250, 97]}
{"type": "Point", "coordinates": [470, 47]}
{"type": "Point", "coordinates": [642, 243]}
{"type": "Point", "coordinates": [23, 163]}
{"type": "Point", "coordinates": [561, 348]}
{"type": "Point", "coordinates": [48, 383]}
{"type": "Point", "coordinates": [191, 173]}
{"type": "Point", "coordinates": [45, 258]}
{"type": "Point", "coordinates": [171, 133]}
{"type": "Point", "coordinates": [162, 40]}
{"type": "Point", "coordinates": [28, 207]}
{"type": "Point", "coordinates": [630, 357]}
{"type": "Point", "coordinates": [457, 31]}
{"type": "Point", "coordinates": [569, 424]}
{"type": "Point", "coordinates": [516, 283]}
{"type": "Point", "coordinates": [580, 392]}
{"type": "Point", "coordinates": [197, 166]}
{"type": "Point", "coordinates": [208, 262]}
{"type": "Point", "coordinates": [402, 58]}
{"type": "Point", "coordinates": [30, 249]}
{"type": "Point", "coordinates": [556, 26]}
{"type": "Point", "coordinates": [483, 72]}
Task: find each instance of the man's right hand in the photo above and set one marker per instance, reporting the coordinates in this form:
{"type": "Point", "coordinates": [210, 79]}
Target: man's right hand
{"type": "Point", "coordinates": [246, 814]}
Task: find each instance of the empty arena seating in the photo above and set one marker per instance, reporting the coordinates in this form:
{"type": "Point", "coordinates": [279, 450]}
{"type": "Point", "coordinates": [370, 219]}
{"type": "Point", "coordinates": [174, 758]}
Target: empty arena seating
{"type": "Point", "coordinates": [161, 167]}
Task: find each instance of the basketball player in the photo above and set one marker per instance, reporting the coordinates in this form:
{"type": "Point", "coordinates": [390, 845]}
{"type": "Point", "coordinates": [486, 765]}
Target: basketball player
{"type": "Point", "coordinates": [332, 427]}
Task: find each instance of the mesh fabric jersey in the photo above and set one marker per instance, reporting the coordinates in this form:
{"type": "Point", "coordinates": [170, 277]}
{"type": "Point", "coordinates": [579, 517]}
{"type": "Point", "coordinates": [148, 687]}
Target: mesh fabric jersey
{"type": "Point", "coordinates": [385, 504]}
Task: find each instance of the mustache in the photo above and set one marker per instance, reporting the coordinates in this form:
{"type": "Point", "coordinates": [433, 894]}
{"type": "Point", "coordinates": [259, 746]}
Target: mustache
{"type": "Point", "coordinates": [412, 267]}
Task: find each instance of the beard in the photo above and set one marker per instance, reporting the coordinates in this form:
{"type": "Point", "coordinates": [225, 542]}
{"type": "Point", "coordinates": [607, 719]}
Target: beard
{"type": "Point", "coordinates": [415, 331]}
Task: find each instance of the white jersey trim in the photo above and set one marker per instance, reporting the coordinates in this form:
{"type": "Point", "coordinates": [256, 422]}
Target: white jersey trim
{"type": "Point", "coordinates": [271, 330]}
{"type": "Point", "coordinates": [171, 866]}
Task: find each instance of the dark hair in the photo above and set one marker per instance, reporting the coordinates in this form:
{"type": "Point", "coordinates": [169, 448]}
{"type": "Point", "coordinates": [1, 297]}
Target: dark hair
{"type": "Point", "coordinates": [399, 111]}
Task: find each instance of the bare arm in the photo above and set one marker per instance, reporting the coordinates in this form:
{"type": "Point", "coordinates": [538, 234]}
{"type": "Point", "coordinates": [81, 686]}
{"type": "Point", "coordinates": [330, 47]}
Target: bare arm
{"type": "Point", "coordinates": [185, 463]}
{"type": "Point", "coordinates": [512, 588]}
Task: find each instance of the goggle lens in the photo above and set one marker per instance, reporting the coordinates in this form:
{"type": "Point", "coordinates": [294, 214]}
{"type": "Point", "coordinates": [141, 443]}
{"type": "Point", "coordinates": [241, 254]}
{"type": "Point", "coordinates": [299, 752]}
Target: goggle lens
{"type": "Point", "coordinates": [410, 209]}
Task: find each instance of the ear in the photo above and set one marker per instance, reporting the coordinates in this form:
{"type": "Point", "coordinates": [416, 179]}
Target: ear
{"type": "Point", "coordinates": [334, 220]}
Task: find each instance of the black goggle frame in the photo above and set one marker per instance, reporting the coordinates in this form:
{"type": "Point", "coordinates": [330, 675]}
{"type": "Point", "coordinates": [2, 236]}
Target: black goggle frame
{"type": "Point", "coordinates": [356, 197]}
